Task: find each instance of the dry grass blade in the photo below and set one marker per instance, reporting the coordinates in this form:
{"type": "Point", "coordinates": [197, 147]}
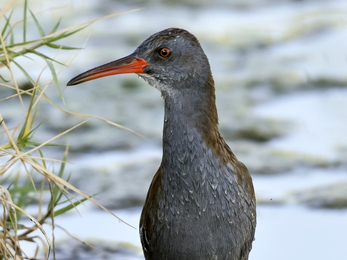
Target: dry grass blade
{"type": "Point", "coordinates": [7, 152]}
{"type": "Point", "coordinates": [88, 23]}
{"type": "Point", "coordinates": [96, 117]}
{"type": "Point", "coordinates": [47, 159]}
{"type": "Point", "coordinates": [21, 156]}
{"type": "Point", "coordinates": [6, 85]}
{"type": "Point", "coordinates": [6, 251]}
{"type": "Point", "coordinates": [6, 8]}
{"type": "Point", "coordinates": [21, 147]}
{"type": "Point", "coordinates": [24, 156]}
{"type": "Point", "coordinates": [6, 200]}
{"type": "Point", "coordinates": [62, 183]}
{"type": "Point", "coordinates": [21, 92]}
{"type": "Point", "coordinates": [76, 238]}
{"type": "Point", "coordinates": [9, 67]}
{"type": "Point", "coordinates": [67, 30]}
{"type": "Point", "coordinates": [86, 116]}
{"type": "Point", "coordinates": [9, 136]}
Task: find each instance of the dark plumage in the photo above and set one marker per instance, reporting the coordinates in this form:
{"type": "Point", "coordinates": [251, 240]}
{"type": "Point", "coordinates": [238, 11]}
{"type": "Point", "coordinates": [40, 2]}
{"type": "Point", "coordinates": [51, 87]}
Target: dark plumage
{"type": "Point", "coordinates": [201, 202]}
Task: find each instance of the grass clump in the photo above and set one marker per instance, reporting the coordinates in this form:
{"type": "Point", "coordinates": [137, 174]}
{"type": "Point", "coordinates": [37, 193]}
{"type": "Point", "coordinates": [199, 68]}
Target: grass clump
{"type": "Point", "coordinates": [30, 188]}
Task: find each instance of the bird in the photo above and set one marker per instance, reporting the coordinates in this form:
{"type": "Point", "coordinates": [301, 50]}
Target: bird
{"type": "Point", "coordinates": [201, 202]}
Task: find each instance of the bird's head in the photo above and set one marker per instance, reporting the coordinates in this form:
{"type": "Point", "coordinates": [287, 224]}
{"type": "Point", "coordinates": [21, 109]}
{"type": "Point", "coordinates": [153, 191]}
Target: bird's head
{"type": "Point", "coordinates": [168, 60]}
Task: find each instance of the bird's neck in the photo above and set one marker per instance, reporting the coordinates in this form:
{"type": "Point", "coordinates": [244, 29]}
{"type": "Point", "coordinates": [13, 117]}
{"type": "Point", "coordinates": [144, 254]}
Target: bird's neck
{"type": "Point", "coordinates": [191, 121]}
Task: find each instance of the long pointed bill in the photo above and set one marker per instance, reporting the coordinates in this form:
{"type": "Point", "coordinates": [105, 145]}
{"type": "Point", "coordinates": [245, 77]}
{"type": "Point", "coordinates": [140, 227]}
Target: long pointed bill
{"type": "Point", "coordinates": [128, 64]}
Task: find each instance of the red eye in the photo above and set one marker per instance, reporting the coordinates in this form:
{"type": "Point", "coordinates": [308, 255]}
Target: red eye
{"type": "Point", "coordinates": [164, 52]}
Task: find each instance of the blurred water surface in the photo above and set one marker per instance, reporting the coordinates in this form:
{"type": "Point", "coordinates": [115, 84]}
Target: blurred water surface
{"type": "Point", "coordinates": [280, 69]}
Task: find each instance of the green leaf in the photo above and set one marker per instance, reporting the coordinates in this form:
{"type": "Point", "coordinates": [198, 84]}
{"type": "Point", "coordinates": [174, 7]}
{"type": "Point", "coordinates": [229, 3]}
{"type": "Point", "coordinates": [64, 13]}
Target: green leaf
{"type": "Point", "coordinates": [7, 25]}
{"type": "Point", "coordinates": [24, 134]}
{"type": "Point", "coordinates": [45, 57]}
{"type": "Point", "coordinates": [43, 161]}
{"type": "Point", "coordinates": [21, 194]}
{"type": "Point", "coordinates": [42, 33]}
{"type": "Point", "coordinates": [25, 140]}
{"type": "Point", "coordinates": [57, 193]}
{"type": "Point", "coordinates": [35, 113]}
{"type": "Point", "coordinates": [34, 144]}
{"type": "Point", "coordinates": [57, 201]}
{"type": "Point", "coordinates": [55, 27]}
{"type": "Point", "coordinates": [25, 73]}
{"type": "Point", "coordinates": [54, 75]}
{"type": "Point", "coordinates": [9, 225]}
{"type": "Point", "coordinates": [25, 20]}
{"type": "Point", "coordinates": [66, 34]}
{"type": "Point", "coordinates": [56, 46]}
{"type": "Point", "coordinates": [69, 207]}
{"type": "Point", "coordinates": [62, 166]}
{"type": "Point", "coordinates": [11, 55]}
{"type": "Point", "coordinates": [3, 79]}
{"type": "Point", "coordinates": [12, 38]}
{"type": "Point", "coordinates": [20, 43]}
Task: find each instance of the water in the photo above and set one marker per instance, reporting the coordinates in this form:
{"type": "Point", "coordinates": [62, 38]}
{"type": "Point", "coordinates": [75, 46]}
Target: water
{"type": "Point", "coordinates": [293, 232]}
{"type": "Point", "coordinates": [283, 232]}
{"type": "Point", "coordinates": [319, 119]}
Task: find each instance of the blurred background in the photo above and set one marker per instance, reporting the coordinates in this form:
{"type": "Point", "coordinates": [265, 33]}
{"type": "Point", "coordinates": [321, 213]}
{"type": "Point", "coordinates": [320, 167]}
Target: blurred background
{"type": "Point", "coordinates": [280, 69]}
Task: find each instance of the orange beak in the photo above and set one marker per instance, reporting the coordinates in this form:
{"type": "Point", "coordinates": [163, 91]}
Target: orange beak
{"type": "Point", "coordinates": [128, 64]}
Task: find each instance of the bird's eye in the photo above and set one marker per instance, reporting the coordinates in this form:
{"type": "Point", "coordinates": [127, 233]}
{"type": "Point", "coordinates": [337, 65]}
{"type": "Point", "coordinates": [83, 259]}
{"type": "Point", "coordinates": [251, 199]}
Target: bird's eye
{"type": "Point", "coordinates": [164, 52]}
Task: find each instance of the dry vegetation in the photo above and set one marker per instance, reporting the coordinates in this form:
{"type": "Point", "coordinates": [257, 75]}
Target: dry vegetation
{"type": "Point", "coordinates": [26, 174]}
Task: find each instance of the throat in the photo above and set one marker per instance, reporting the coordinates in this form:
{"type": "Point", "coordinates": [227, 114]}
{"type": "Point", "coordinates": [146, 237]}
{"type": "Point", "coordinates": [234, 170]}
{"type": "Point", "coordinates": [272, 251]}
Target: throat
{"type": "Point", "coordinates": [190, 126]}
